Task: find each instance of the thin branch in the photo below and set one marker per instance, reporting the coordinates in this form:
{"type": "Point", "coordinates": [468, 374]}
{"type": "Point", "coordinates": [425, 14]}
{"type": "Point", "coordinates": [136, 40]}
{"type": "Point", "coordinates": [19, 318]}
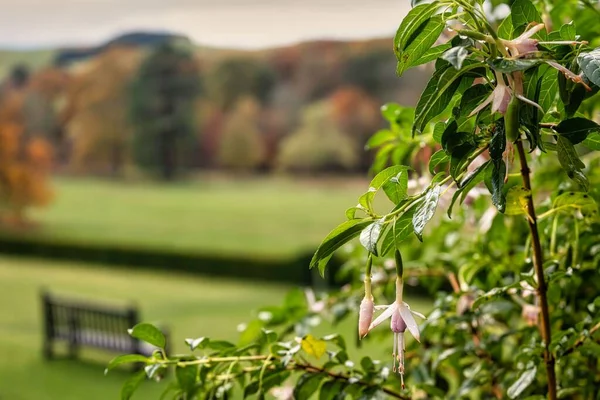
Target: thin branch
{"type": "Point", "coordinates": [581, 340]}
{"type": "Point", "coordinates": [538, 264]}
{"type": "Point", "coordinates": [312, 368]}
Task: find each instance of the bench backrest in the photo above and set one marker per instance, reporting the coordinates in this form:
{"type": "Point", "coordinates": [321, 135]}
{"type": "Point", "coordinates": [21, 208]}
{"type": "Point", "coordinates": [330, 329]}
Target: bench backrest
{"type": "Point", "coordinates": [86, 323]}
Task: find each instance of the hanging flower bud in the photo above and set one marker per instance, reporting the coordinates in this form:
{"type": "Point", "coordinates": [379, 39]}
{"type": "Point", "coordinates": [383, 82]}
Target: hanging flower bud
{"type": "Point", "coordinates": [365, 316]}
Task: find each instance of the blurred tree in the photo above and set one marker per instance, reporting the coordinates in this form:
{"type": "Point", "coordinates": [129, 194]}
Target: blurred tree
{"type": "Point", "coordinates": [320, 69]}
{"type": "Point", "coordinates": [162, 102]}
{"type": "Point", "coordinates": [25, 160]}
{"type": "Point", "coordinates": [318, 145]}
{"type": "Point", "coordinates": [373, 71]}
{"type": "Point", "coordinates": [242, 145]}
{"type": "Point", "coordinates": [95, 113]}
{"type": "Point", "coordinates": [357, 115]}
{"type": "Point", "coordinates": [234, 78]}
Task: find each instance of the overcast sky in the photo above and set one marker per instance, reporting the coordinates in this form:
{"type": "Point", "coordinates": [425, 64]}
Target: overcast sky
{"type": "Point", "coordinates": [231, 23]}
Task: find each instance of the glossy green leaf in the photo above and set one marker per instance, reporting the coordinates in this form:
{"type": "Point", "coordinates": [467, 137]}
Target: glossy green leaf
{"type": "Point", "coordinates": [125, 359]}
{"type": "Point", "coordinates": [149, 334]}
{"type": "Point", "coordinates": [590, 65]}
{"type": "Point", "coordinates": [437, 95]}
{"type": "Point", "coordinates": [400, 231]}
{"type": "Point", "coordinates": [507, 66]}
{"type": "Point", "coordinates": [592, 141]}
{"type": "Point", "coordinates": [576, 129]}
{"type": "Point", "coordinates": [131, 385]}
{"type": "Point", "coordinates": [186, 376]}
{"type": "Point", "coordinates": [505, 30]}
{"type": "Point", "coordinates": [366, 200]}
{"type": "Point", "coordinates": [438, 158]}
{"type": "Point", "coordinates": [548, 89]}
{"type": "Point", "coordinates": [471, 98]}
{"type": "Point", "coordinates": [569, 160]}
{"type": "Point", "coordinates": [456, 56]}
{"type": "Point", "coordinates": [568, 31]}
{"type": "Point", "coordinates": [425, 210]}
{"type": "Point", "coordinates": [522, 383]}
{"type": "Point", "coordinates": [370, 236]}
{"type": "Point", "coordinates": [342, 234]}
{"type": "Point", "coordinates": [411, 55]}
{"type": "Point", "coordinates": [433, 53]}
{"type": "Point", "coordinates": [307, 385]}
{"type": "Point", "coordinates": [330, 390]}
{"type": "Point", "coordinates": [396, 188]}
{"type": "Point", "coordinates": [379, 138]}
{"type": "Point", "coordinates": [523, 12]}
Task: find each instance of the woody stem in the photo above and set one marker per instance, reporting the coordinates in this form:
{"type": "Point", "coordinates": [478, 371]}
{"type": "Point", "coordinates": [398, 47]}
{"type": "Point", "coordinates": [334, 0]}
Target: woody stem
{"type": "Point", "coordinates": [538, 264]}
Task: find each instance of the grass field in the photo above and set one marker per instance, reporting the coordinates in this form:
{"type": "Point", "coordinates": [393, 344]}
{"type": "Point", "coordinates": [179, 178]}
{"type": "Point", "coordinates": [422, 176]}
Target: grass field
{"type": "Point", "coordinates": [267, 217]}
{"type": "Point", "coordinates": [191, 306]}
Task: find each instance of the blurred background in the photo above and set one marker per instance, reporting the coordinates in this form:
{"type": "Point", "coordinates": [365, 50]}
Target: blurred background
{"type": "Point", "coordinates": [185, 157]}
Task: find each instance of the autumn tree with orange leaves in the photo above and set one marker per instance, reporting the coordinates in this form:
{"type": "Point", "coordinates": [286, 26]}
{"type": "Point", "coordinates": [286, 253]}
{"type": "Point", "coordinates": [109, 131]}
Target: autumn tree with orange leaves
{"type": "Point", "coordinates": [25, 157]}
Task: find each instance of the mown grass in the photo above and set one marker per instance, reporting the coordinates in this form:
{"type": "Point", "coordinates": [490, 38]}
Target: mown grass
{"type": "Point", "coordinates": [191, 306]}
{"type": "Point", "coordinates": [266, 217]}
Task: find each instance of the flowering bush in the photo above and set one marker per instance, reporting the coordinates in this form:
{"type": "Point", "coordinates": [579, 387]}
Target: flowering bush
{"type": "Point", "coordinates": [510, 108]}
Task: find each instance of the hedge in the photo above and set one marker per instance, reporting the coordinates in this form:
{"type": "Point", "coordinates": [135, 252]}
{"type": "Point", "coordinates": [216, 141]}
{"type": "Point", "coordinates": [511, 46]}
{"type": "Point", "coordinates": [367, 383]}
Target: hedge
{"type": "Point", "coordinates": [290, 270]}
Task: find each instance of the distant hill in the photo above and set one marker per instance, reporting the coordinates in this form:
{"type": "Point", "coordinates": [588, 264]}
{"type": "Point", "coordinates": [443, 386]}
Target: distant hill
{"type": "Point", "coordinates": [35, 59]}
{"type": "Point", "coordinates": [67, 56]}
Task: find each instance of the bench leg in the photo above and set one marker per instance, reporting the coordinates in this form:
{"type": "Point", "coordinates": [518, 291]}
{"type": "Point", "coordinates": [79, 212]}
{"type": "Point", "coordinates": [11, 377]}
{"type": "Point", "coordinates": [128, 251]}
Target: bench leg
{"type": "Point", "coordinates": [48, 351]}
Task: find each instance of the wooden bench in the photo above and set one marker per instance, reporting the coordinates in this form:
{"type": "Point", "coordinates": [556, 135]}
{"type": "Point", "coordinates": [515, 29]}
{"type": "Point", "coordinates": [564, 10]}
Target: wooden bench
{"type": "Point", "coordinates": [84, 324]}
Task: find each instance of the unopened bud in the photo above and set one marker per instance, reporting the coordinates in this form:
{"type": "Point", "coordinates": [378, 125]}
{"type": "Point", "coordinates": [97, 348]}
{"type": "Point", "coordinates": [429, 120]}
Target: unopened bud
{"type": "Point", "coordinates": [365, 315]}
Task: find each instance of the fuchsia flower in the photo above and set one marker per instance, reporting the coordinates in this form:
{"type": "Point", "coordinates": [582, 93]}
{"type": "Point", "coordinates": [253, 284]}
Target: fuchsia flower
{"type": "Point", "coordinates": [524, 43]}
{"type": "Point", "coordinates": [401, 319]}
{"type": "Point", "coordinates": [500, 97]}
{"type": "Point", "coordinates": [365, 315]}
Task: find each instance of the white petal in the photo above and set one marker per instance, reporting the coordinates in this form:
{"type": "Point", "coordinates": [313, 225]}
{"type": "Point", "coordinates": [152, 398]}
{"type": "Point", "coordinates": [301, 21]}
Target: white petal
{"type": "Point", "coordinates": [418, 314]}
{"type": "Point", "coordinates": [382, 307]}
{"type": "Point", "coordinates": [384, 315]}
{"type": "Point", "coordinates": [411, 324]}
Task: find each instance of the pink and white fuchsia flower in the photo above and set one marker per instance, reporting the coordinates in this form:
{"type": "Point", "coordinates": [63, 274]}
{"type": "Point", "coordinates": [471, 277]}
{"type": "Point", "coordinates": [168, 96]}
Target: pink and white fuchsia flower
{"type": "Point", "coordinates": [401, 319]}
{"type": "Point", "coordinates": [523, 44]}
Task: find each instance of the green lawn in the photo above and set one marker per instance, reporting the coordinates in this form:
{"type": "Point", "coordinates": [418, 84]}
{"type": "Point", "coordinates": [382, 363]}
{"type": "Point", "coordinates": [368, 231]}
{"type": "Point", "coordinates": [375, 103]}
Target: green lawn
{"type": "Point", "coordinates": [267, 217]}
{"type": "Point", "coordinates": [191, 306]}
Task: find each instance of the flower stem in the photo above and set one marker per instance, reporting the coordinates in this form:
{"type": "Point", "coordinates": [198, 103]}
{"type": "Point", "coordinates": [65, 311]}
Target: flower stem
{"type": "Point", "coordinates": [538, 264]}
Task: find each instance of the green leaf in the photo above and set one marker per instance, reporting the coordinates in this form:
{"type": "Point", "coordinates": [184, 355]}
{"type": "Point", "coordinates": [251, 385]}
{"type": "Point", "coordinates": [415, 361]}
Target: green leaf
{"type": "Point", "coordinates": [433, 53]}
{"type": "Point", "coordinates": [523, 12]}
{"type": "Point", "coordinates": [498, 173]}
{"type": "Point", "coordinates": [592, 141]}
{"type": "Point", "coordinates": [396, 188]}
{"type": "Point", "coordinates": [505, 30]}
{"type": "Point", "coordinates": [131, 385]}
{"type": "Point", "coordinates": [439, 157]}
{"type": "Point", "coordinates": [576, 129]}
{"type": "Point", "coordinates": [391, 112]}
{"type": "Point", "coordinates": [427, 35]}
{"type": "Point", "coordinates": [569, 160]}
{"type": "Point", "coordinates": [471, 98]}
{"type": "Point", "coordinates": [456, 56]}
{"type": "Point", "coordinates": [366, 200]}
{"type": "Point", "coordinates": [467, 184]}
{"type": "Point", "coordinates": [568, 31]}
{"type": "Point", "coordinates": [438, 94]}
{"type": "Point", "coordinates": [413, 29]}
{"type": "Point", "coordinates": [438, 131]}
{"type": "Point", "coordinates": [125, 359]}
{"type": "Point", "coordinates": [549, 89]}
{"type": "Point", "coordinates": [149, 334]}
{"type": "Point", "coordinates": [186, 376]}
{"type": "Point", "coordinates": [516, 200]}
{"type": "Point", "coordinates": [251, 333]}
{"type": "Point", "coordinates": [330, 390]}
{"type": "Point", "coordinates": [307, 385]}
{"type": "Point", "coordinates": [268, 382]}
{"type": "Point", "coordinates": [507, 66]}
{"type": "Point", "coordinates": [399, 232]}
{"type": "Point", "coordinates": [526, 379]}
{"type": "Point", "coordinates": [342, 234]}
{"type": "Point", "coordinates": [492, 295]}
{"type": "Point", "coordinates": [425, 210]}
{"type": "Point", "coordinates": [379, 138]}
{"type": "Point", "coordinates": [590, 65]}
{"type": "Point", "coordinates": [577, 200]}
{"type": "Point", "coordinates": [370, 236]}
